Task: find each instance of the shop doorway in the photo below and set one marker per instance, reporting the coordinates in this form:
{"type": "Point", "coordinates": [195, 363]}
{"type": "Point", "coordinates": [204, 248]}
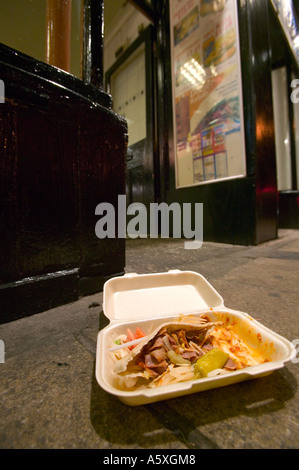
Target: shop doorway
{"type": "Point", "coordinates": [130, 81]}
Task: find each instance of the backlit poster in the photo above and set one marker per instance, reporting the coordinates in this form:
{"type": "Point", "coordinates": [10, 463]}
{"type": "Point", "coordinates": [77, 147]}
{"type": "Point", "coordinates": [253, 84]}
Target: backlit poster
{"type": "Point", "coordinates": [207, 91]}
{"type": "Point", "coordinates": [289, 22]}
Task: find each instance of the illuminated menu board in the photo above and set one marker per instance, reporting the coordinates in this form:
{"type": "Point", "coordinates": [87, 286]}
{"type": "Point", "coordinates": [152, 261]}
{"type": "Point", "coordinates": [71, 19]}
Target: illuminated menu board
{"type": "Point", "coordinates": [207, 91]}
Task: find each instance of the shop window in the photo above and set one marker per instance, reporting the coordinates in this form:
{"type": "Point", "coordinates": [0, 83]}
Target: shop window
{"type": "Point", "coordinates": [127, 86]}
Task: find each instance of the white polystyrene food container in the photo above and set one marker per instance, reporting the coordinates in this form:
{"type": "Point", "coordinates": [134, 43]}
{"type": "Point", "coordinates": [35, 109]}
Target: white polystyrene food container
{"type": "Point", "coordinates": [148, 300]}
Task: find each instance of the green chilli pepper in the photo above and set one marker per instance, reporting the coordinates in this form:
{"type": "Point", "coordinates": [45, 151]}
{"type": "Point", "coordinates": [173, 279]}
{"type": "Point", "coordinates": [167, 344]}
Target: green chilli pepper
{"type": "Point", "coordinates": [213, 359]}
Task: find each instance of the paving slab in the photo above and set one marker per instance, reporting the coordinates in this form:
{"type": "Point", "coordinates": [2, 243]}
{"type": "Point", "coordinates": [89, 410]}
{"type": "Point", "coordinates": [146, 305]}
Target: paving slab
{"type": "Point", "coordinates": [50, 399]}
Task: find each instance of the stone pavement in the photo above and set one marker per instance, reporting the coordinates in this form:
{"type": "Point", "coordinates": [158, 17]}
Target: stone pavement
{"type": "Point", "coordinates": [50, 399]}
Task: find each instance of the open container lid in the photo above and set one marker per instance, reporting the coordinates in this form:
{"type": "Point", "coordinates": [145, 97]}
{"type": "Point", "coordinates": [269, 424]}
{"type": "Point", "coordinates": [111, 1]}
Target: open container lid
{"type": "Point", "coordinates": [135, 297]}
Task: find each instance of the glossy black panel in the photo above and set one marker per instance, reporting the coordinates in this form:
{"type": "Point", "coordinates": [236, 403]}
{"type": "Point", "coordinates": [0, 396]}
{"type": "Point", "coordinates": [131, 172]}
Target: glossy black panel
{"type": "Point", "coordinates": [142, 163]}
{"type": "Point", "coordinates": [228, 210]}
{"type": "Point", "coordinates": [60, 156]}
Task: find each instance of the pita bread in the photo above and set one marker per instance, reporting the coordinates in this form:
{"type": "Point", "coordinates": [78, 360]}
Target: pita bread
{"type": "Point", "coordinates": [125, 368]}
